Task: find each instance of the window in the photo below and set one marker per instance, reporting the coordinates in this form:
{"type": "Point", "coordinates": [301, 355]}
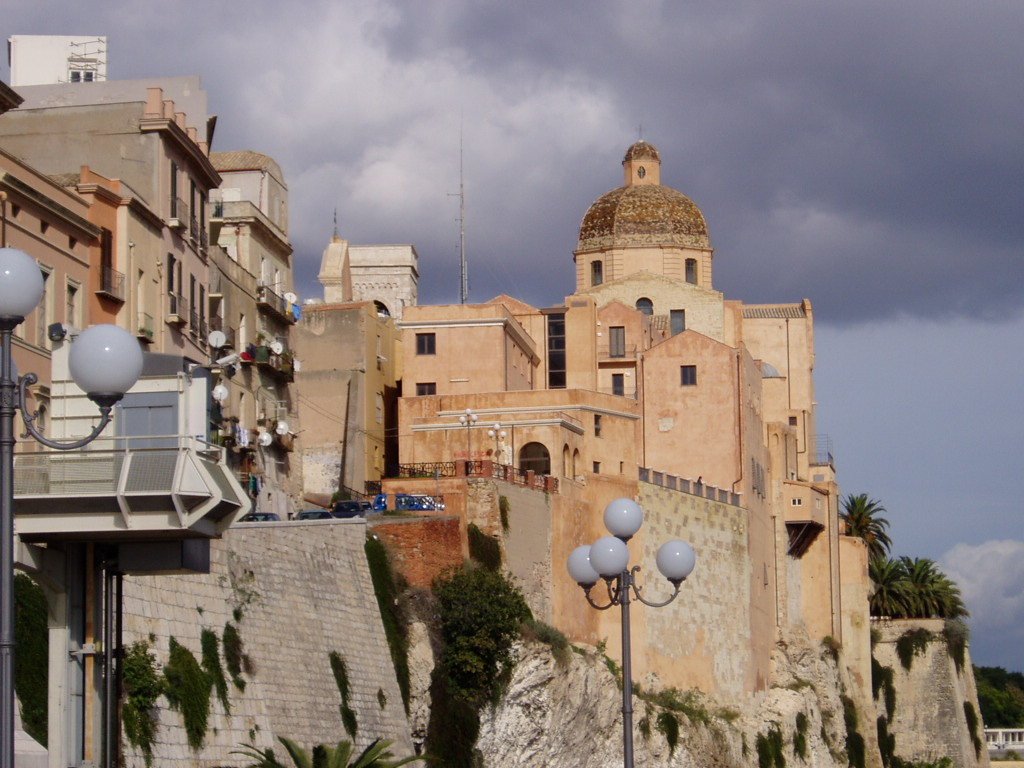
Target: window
{"type": "Point", "coordinates": [691, 271]}
{"type": "Point", "coordinates": [426, 344]}
{"type": "Point", "coordinates": [796, 502]}
{"type": "Point", "coordinates": [617, 341]}
{"type": "Point", "coordinates": [596, 272]}
{"type": "Point", "coordinates": [597, 467]}
{"type": "Point", "coordinates": [426, 388]}
{"type": "Point", "coordinates": [71, 310]}
{"type": "Point", "coordinates": [618, 384]}
{"type": "Point", "coordinates": [380, 408]}
{"type": "Point", "coordinates": [44, 311]}
{"type": "Point", "coordinates": [176, 213]}
{"type": "Point", "coordinates": [597, 425]}
{"type": "Point", "coordinates": [556, 350]}
{"type": "Point", "coordinates": [792, 421]}
{"type": "Point", "coordinates": [645, 305]}
{"type": "Point", "coordinates": [688, 375]}
{"type": "Point", "coordinates": [677, 320]}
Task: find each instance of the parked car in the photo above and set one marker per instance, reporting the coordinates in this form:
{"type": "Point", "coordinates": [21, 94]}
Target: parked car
{"type": "Point", "coordinates": [259, 517]}
{"type": "Point", "coordinates": [347, 508]}
{"type": "Point", "coordinates": [409, 502]}
{"type": "Point", "coordinates": [314, 514]}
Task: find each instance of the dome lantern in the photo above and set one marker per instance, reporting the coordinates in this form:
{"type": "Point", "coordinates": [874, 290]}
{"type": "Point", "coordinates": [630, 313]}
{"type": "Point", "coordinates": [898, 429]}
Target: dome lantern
{"type": "Point", "coordinates": [642, 164]}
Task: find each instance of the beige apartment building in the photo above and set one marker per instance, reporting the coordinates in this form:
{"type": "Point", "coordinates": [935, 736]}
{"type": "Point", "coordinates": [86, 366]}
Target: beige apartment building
{"type": "Point", "coordinates": [648, 382]}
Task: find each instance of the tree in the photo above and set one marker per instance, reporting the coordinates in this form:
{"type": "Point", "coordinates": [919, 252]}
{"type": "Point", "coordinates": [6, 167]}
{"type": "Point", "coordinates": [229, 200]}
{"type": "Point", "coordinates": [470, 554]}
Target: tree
{"type": "Point", "coordinates": [891, 596]}
{"type": "Point", "coordinates": [863, 520]}
{"type": "Point", "coordinates": [931, 592]}
{"type": "Point", "coordinates": [377, 755]}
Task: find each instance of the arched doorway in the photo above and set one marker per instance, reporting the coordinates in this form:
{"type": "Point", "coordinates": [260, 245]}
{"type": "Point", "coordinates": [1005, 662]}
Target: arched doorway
{"type": "Point", "coordinates": [535, 457]}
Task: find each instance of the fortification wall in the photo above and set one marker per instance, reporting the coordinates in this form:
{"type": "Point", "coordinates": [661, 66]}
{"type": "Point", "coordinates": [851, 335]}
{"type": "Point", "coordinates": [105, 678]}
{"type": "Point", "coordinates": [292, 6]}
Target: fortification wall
{"type": "Point", "coordinates": [932, 697]}
{"type": "Point", "coordinates": [421, 548]}
{"type": "Point", "coordinates": [296, 592]}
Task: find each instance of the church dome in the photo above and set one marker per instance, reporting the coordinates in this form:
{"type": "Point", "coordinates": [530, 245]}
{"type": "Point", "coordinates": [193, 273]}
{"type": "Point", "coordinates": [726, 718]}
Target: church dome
{"type": "Point", "coordinates": [642, 150]}
{"type": "Point", "coordinates": [643, 214]}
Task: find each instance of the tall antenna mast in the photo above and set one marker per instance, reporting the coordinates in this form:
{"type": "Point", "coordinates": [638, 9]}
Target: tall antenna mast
{"type": "Point", "coordinates": [464, 291]}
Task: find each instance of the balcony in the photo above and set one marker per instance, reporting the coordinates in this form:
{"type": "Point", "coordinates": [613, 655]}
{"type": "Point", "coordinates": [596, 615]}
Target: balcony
{"type": "Point", "coordinates": [217, 324]}
{"type": "Point", "coordinates": [146, 329]}
{"type": "Point", "coordinates": [274, 304]}
{"type": "Point", "coordinates": [821, 452]}
{"type": "Point", "coordinates": [177, 309]}
{"type": "Point", "coordinates": [193, 322]}
{"type": "Point", "coordinates": [129, 488]}
{"type": "Point", "coordinates": [111, 283]}
{"type": "Point", "coordinates": [614, 351]}
{"type": "Point", "coordinates": [193, 229]}
{"type": "Point", "coordinates": [204, 240]}
{"type": "Point", "coordinates": [280, 364]}
{"type": "Point", "coordinates": [178, 217]}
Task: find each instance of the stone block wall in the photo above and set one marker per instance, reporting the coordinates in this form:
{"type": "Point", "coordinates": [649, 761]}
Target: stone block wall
{"type": "Point", "coordinates": [929, 720]}
{"type": "Point", "coordinates": [421, 548]}
{"type": "Point", "coordinates": [302, 590]}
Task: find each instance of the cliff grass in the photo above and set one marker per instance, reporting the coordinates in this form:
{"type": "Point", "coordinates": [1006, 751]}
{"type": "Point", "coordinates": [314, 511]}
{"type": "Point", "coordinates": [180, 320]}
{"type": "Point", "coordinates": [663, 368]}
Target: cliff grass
{"type": "Point", "coordinates": [668, 725]}
{"type": "Point", "coordinates": [503, 509]}
{"type": "Point", "coordinates": [392, 614]}
{"type": "Point", "coordinates": [210, 646]}
{"type": "Point", "coordinates": [31, 656]}
{"type": "Point", "coordinates": [484, 549]}
{"type": "Point", "coordinates": [551, 637]}
{"type": "Point", "coordinates": [769, 749]}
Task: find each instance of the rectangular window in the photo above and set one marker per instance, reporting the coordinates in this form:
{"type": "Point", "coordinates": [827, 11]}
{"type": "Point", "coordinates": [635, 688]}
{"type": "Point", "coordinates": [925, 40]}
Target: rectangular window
{"type": "Point", "coordinates": [175, 213]}
{"type": "Point", "coordinates": [426, 388]}
{"type": "Point", "coordinates": [617, 341]}
{"type": "Point", "coordinates": [426, 344]}
{"type": "Point", "coordinates": [688, 375]}
{"type": "Point", "coordinates": [691, 271]}
{"type": "Point", "coordinates": [597, 467]}
{"type": "Point", "coordinates": [792, 421]}
{"type": "Point", "coordinates": [618, 384]}
{"type": "Point", "coordinates": [677, 320]}
{"type": "Point", "coordinates": [797, 502]}
{"type": "Point", "coordinates": [596, 272]}
{"type": "Point", "coordinates": [44, 311]}
{"type": "Point", "coordinates": [71, 310]}
{"type": "Point", "coordinates": [556, 351]}
{"type": "Point", "coordinates": [597, 425]}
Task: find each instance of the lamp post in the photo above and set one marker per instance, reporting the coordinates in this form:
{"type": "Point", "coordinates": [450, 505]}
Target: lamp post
{"type": "Point", "coordinates": [499, 437]}
{"type": "Point", "coordinates": [105, 361]}
{"type": "Point", "coordinates": [468, 419]}
{"type": "Point", "coordinates": [608, 559]}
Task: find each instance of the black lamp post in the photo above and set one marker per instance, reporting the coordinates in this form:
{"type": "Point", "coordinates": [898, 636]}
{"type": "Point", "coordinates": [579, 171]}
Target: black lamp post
{"type": "Point", "coordinates": [105, 362]}
{"type": "Point", "coordinates": [608, 559]}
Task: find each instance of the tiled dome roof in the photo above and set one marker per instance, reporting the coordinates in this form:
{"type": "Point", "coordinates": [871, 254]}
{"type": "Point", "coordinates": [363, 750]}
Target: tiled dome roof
{"type": "Point", "coordinates": [642, 149]}
{"type": "Point", "coordinates": [643, 214]}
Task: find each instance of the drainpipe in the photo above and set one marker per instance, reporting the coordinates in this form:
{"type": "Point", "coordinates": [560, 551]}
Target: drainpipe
{"type": "Point", "coordinates": [3, 219]}
{"type": "Point", "coordinates": [739, 420]}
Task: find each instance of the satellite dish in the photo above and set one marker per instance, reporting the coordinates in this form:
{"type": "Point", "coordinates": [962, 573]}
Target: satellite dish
{"type": "Point", "coordinates": [265, 439]}
{"type": "Point", "coordinates": [281, 428]}
{"type": "Point", "coordinates": [291, 298]}
{"type": "Point", "coordinates": [220, 393]}
{"type": "Point", "coordinates": [296, 365]}
{"type": "Point", "coordinates": [217, 339]}
{"type": "Point", "coordinates": [276, 347]}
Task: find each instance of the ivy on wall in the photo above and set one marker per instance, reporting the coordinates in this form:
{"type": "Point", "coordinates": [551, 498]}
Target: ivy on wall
{"type": "Point", "coordinates": [392, 616]}
{"type": "Point", "coordinates": [142, 686]}
{"type": "Point", "coordinates": [188, 691]}
{"type": "Point", "coordinates": [31, 655]}
{"type": "Point", "coordinates": [348, 715]}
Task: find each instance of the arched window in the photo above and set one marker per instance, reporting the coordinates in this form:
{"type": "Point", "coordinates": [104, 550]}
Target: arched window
{"type": "Point", "coordinates": [576, 462]}
{"type": "Point", "coordinates": [645, 305]}
{"type": "Point", "coordinates": [566, 465]}
{"type": "Point", "coordinates": [535, 457]}
{"type": "Point", "coordinates": [382, 311]}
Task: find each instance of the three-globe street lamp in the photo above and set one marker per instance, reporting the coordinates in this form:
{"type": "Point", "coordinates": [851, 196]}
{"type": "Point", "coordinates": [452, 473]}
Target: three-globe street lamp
{"type": "Point", "coordinates": [468, 419]}
{"type": "Point", "coordinates": [105, 362]}
{"type": "Point", "coordinates": [608, 559]}
{"type": "Point", "coordinates": [499, 437]}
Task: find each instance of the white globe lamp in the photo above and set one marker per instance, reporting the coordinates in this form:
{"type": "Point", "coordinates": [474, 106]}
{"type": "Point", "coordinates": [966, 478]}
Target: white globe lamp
{"type": "Point", "coordinates": [105, 361]}
{"type": "Point", "coordinates": [21, 284]}
{"type": "Point", "coordinates": [623, 518]}
{"type": "Point", "coordinates": [580, 569]}
{"type": "Point", "coordinates": [676, 560]}
{"type": "Point", "coordinates": [609, 556]}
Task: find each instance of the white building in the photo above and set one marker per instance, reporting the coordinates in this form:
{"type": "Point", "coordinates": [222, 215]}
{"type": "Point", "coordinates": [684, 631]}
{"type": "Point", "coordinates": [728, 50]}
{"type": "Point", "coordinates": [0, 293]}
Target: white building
{"type": "Point", "coordinates": [51, 59]}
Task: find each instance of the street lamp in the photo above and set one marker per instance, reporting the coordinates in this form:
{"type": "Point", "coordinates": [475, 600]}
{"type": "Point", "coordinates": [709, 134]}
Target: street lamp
{"type": "Point", "coordinates": [105, 361]}
{"type": "Point", "coordinates": [468, 419]}
{"type": "Point", "coordinates": [608, 559]}
{"type": "Point", "coordinates": [499, 436]}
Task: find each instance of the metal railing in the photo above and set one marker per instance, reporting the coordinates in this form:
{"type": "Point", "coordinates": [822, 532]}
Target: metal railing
{"type": "Point", "coordinates": [478, 468]}
{"type": "Point", "coordinates": [427, 469]}
{"type": "Point", "coordinates": [146, 329]}
{"type": "Point", "coordinates": [217, 324]}
{"type": "Point", "coordinates": [617, 351]}
{"type": "Point", "coordinates": [821, 452]}
{"type": "Point", "coordinates": [178, 212]}
{"type": "Point", "coordinates": [111, 282]}
{"type": "Point", "coordinates": [177, 308]}
{"type": "Point", "coordinates": [266, 298]}
{"type": "Point", "coordinates": [193, 229]}
{"type": "Point", "coordinates": [692, 487]}
{"type": "Point", "coordinates": [623, 392]}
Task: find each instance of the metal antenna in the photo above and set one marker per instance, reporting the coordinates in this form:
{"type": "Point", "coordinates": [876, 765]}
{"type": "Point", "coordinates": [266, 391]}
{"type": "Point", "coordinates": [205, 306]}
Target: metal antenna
{"type": "Point", "coordinates": [335, 222]}
{"type": "Point", "coordinates": [464, 282]}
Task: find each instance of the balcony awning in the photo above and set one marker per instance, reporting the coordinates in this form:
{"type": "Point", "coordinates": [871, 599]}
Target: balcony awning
{"type": "Point", "coordinates": [180, 490]}
{"type": "Point", "coordinates": [802, 534]}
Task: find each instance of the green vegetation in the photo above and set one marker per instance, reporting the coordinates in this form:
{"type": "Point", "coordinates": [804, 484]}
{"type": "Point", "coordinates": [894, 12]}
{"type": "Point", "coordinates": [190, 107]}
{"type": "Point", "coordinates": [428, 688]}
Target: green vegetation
{"type": "Point", "coordinates": [769, 749]}
{"type": "Point", "coordinates": [912, 643]}
{"type": "Point", "coordinates": [800, 736]}
{"type": "Point", "coordinates": [188, 688]}
{"type": "Point", "coordinates": [392, 615]}
{"type": "Point", "coordinates": [682, 702]}
{"type": "Point", "coordinates": [972, 727]}
{"type": "Point", "coordinates": [882, 681]}
{"type": "Point", "coordinates": [956, 634]}
{"type": "Point", "coordinates": [348, 715]}
{"type": "Point", "coordinates": [211, 664]}
{"type": "Point", "coordinates": [1000, 697]}
{"type": "Point", "coordinates": [142, 687]}
{"type": "Point", "coordinates": [480, 613]}
{"type": "Point", "coordinates": [382, 699]}
{"type": "Point", "coordinates": [377, 755]}
{"type": "Point", "coordinates": [545, 633]}
{"type": "Point", "coordinates": [234, 654]}
{"type": "Point", "coordinates": [31, 654]}
{"type": "Point", "coordinates": [886, 743]}
{"type": "Point", "coordinates": [484, 549]}
{"type": "Point", "coordinates": [503, 509]}
{"type": "Point", "coordinates": [668, 725]}
{"type": "Point", "coordinates": [855, 751]}
{"type": "Point", "coordinates": [863, 520]}
{"type": "Point", "coordinates": [832, 647]}
{"type": "Point", "coordinates": [908, 588]}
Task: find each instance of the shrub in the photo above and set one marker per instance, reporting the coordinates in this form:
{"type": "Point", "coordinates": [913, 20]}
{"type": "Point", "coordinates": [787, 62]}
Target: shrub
{"type": "Point", "coordinates": [234, 654]}
{"type": "Point", "coordinates": [972, 727]}
{"type": "Point", "coordinates": [188, 689]}
{"type": "Point", "coordinates": [31, 656]}
{"type": "Point", "coordinates": [912, 643]}
{"type": "Point", "coordinates": [211, 663]}
{"type": "Point", "coordinates": [503, 509]}
{"type": "Point", "coordinates": [484, 549]}
{"type": "Point", "coordinates": [142, 687]}
{"type": "Point", "coordinates": [668, 724]}
{"type": "Point", "coordinates": [545, 633]}
{"type": "Point", "coordinates": [769, 749]}
{"type": "Point", "coordinates": [800, 736]}
{"type": "Point", "coordinates": [956, 633]}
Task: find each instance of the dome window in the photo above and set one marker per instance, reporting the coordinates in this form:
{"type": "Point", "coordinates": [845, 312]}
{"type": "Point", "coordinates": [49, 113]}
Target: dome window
{"type": "Point", "coordinates": [596, 272]}
{"type": "Point", "coordinates": [645, 305]}
{"type": "Point", "coordinates": [691, 271]}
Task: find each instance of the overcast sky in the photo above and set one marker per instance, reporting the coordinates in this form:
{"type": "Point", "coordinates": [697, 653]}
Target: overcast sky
{"type": "Point", "coordinates": [865, 155]}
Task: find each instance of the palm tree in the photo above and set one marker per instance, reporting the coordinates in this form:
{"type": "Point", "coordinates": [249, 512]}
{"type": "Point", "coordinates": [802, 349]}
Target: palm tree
{"type": "Point", "coordinates": [933, 594]}
{"type": "Point", "coordinates": [377, 755]}
{"type": "Point", "coordinates": [892, 597]}
{"type": "Point", "coordinates": [863, 519]}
